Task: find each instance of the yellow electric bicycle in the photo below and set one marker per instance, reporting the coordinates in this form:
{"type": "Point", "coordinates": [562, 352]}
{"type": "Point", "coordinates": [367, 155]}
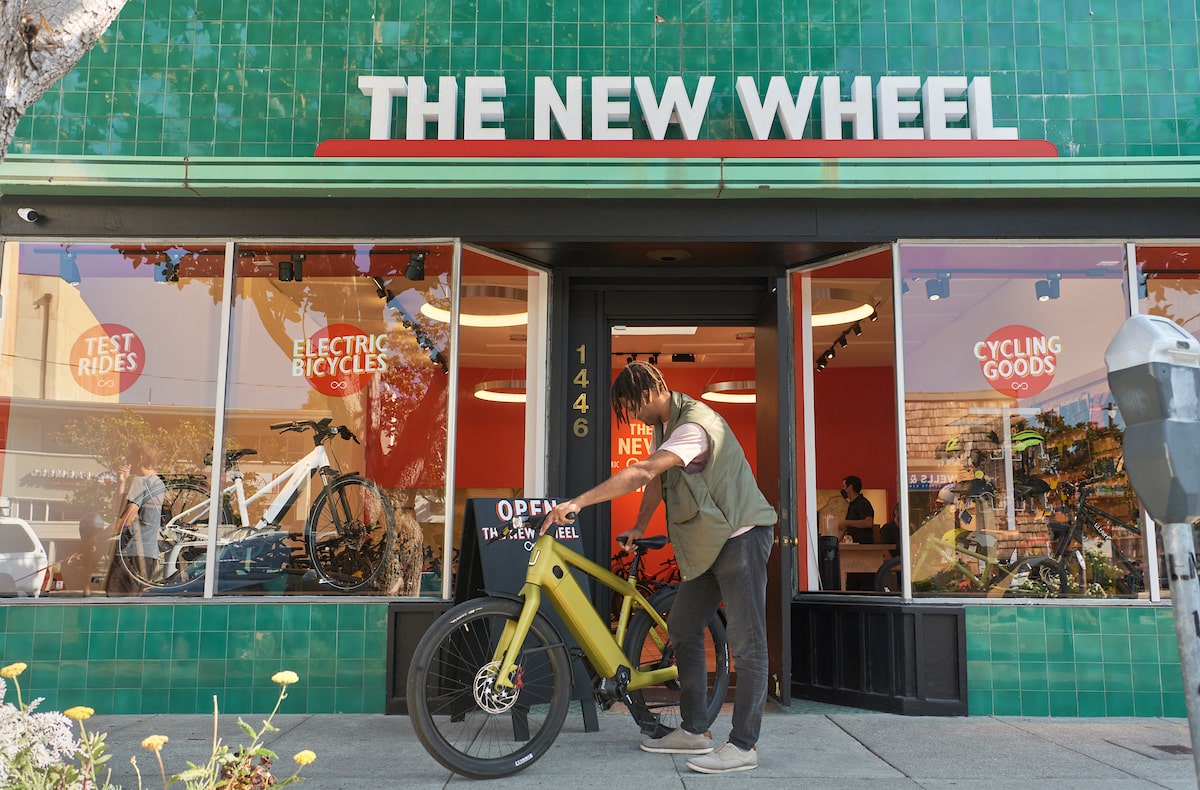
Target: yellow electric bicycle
{"type": "Point", "coordinates": [490, 682]}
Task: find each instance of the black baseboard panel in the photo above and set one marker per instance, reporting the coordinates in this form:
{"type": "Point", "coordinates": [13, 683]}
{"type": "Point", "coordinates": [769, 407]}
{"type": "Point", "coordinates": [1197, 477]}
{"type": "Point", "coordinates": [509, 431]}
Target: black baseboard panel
{"type": "Point", "coordinates": [880, 654]}
{"type": "Point", "coordinates": [407, 622]}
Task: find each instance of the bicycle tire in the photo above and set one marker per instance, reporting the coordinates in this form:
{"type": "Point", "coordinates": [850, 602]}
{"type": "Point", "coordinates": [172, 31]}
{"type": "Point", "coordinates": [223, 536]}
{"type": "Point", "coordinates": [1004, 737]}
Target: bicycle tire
{"type": "Point", "coordinates": [448, 687]}
{"type": "Point", "coordinates": [887, 578]}
{"type": "Point", "coordinates": [1043, 576]}
{"type": "Point", "coordinates": [180, 496]}
{"type": "Point", "coordinates": [350, 558]}
{"type": "Point", "coordinates": [649, 647]}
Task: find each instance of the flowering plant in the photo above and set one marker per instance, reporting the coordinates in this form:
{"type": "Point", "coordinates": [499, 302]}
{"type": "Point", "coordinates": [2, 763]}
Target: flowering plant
{"type": "Point", "coordinates": [38, 751]}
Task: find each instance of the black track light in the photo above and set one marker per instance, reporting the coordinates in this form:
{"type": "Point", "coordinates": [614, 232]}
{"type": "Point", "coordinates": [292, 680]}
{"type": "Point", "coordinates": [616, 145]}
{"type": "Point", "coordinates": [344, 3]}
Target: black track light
{"type": "Point", "coordinates": [416, 265]}
{"type": "Point", "coordinates": [842, 340]}
{"type": "Point", "coordinates": [857, 329]}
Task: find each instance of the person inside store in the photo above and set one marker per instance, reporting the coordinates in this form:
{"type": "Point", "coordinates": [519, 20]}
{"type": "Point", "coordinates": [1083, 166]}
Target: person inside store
{"type": "Point", "coordinates": [138, 521]}
{"type": "Point", "coordinates": [722, 528]}
{"type": "Point", "coordinates": [859, 523]}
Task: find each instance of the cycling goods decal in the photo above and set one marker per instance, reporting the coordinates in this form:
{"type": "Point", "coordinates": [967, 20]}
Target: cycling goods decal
{"type": "Point", "coordinates": [107, 359]}
{"type": "Point", "coordinates": [1018, 361]}
{"type": "Point", "coordinates": [339, 360]}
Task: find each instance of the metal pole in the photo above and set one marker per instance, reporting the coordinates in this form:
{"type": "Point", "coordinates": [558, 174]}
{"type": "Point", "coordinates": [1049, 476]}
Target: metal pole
{"type": "Point", "coordinates": [1180, 549]}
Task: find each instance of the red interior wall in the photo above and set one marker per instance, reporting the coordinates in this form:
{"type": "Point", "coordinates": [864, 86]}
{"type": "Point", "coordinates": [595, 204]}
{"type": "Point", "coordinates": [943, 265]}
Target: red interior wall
{"type": "Point", "coordinates": [490, 448]}
{"type": "Point", "coordinates": [855, 413]}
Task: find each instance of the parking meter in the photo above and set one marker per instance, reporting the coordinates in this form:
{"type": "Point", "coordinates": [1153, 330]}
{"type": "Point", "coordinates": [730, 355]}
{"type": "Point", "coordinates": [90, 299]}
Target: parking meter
{"type": "Point", "coordinates": [1154, 375]}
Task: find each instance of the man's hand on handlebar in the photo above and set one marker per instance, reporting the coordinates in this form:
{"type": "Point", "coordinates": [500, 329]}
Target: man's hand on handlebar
{"type": "Point", "coordinates": [625, 539]}
{"type": "Point", "coordinates": [563, 513]}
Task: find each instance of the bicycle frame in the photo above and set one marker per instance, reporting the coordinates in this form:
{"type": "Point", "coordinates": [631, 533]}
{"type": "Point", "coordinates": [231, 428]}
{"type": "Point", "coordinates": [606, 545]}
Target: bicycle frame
{"type": "Point", "coordinates": [546, 575]}
{"type": "Point", "coordinates": [1086, 514]}
{"type": "Point", "coordinates": [288, 483]}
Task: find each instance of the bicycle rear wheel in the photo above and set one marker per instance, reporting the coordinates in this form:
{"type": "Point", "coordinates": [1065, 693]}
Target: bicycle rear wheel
{"type": "Point", "coordinates": [182, 537]}
{"type": "Point", "coordinates": [463, 720]}
{"type": "Point", "coordinates": [1037, 577]}
{"type": "Point", "coordinates": [349, 533]}
{"type": "Point", "coordinates": [649, 647]}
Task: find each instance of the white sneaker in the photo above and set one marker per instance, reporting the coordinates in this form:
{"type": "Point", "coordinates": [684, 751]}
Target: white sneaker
{"type": "Point", "coordinates": [725, 760]}
{"type": "Point", "coordinates": [679, 741]}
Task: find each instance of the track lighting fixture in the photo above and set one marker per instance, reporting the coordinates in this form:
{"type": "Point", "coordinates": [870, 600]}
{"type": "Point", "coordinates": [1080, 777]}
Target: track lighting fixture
{"type": "Point", "coordinates": [1047, 289]}
{"type": "Point", "coordinates": [857, 329]}
{"type": "Point", "coordinates": [68, 270]}
{"type": "Point", "coordinates": [938, 287]}
{"type": "Point", "coordinates": [382, 290]}
{"type": "Point", "coordinates": [874, 316]}
{"type": "Point", "coordinates": [842, 340]}
{"type": "Point", "coordinates": [416, 265]}
{"type": "Point", "coordinates": [291, 270]}
{"type": "Point", "coordinates": [822, 362]}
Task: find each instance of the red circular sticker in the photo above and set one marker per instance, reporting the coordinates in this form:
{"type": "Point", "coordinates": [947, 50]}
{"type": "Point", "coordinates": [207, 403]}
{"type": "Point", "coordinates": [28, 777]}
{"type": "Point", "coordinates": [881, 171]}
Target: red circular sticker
{"type": "Point", "coordinates": [107, 359]}
{"type": "Point", "coordinates": [1018, 361]}
{"type": "Point", "coordinates": [340, 359]}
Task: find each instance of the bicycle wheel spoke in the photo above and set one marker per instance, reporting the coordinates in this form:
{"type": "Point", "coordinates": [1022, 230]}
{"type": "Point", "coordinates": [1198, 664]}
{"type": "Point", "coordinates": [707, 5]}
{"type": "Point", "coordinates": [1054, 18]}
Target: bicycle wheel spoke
{"type": "Point", "coordinates": [468, 722]}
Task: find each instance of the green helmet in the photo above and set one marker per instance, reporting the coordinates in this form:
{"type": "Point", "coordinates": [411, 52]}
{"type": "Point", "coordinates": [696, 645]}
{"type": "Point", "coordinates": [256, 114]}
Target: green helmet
{"type": "Point", "coordinates": [1023, 440]}
{"type": "Point", "coordinates": [954, 444]}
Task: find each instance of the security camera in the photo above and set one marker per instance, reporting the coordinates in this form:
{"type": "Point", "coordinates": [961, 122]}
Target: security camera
{"type": "Point", "coordinates": [29, 214]}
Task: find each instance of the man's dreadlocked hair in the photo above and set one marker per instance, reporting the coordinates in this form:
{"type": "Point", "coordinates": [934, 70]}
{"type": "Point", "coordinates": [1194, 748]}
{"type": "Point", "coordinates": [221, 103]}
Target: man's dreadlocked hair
{"type": "Point", "coordinates": [635, 385]}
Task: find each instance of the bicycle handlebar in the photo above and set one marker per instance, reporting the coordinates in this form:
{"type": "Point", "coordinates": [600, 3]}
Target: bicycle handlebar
{"type": "Point", "coordinates": [322, 429]}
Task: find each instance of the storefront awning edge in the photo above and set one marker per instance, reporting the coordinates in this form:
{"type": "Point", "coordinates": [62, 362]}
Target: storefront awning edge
{"type": "Point", "coordinates": [540, 178]}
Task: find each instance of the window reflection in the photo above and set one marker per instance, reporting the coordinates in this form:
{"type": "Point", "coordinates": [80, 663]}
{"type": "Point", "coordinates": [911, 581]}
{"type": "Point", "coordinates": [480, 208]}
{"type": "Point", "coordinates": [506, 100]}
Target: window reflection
{"type": "Point", "coordinates": [339, 390]}
{"type": "Point", "coordinates": [108, 377]}
{"type": "Point", "coordinates": [1013, 445]}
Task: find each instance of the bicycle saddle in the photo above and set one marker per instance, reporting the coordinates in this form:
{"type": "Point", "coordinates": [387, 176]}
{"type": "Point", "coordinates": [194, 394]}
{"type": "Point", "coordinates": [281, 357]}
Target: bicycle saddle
{"type": "Point", "coordinates": [651, 543]}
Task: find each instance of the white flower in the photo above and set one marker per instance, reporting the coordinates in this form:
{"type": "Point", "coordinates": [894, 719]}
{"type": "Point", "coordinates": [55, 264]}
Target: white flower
{"type": "Point", "coordinates": [46, 737]}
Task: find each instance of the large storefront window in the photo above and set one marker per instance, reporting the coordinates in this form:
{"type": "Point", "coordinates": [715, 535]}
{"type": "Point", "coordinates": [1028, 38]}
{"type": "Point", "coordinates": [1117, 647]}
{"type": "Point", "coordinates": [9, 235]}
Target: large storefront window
{"type": "Point", "coordinates": [108, 377]}
{"type": "Point", "coordinates": [1168, 285]}
{"type": "Point", "coordinates": [1010, 424]}
{"type": "Point", "coordinates": [337, 417]}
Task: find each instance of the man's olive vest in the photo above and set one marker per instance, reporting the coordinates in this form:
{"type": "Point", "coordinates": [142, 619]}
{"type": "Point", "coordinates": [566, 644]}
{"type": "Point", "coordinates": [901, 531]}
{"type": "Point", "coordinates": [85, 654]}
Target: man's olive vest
{"type": "Point", "coordinates": [705, 508]}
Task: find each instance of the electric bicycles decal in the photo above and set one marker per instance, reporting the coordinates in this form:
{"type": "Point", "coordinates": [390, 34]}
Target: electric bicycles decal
{"type": "Point", "coordinates": [107, 359]}
{"type": "Point", "coordinates": [340, 359]}
{"type": "Point", "coordinates": [1018, 361]}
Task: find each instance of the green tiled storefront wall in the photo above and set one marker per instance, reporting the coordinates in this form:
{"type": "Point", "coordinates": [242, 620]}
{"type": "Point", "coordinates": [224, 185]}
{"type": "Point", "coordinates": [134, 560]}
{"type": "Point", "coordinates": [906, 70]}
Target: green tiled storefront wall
{"type": "Point", "coordinates": [173, 658]}
{"type": "Point", "coordinates": [255, 78]}
{"type": "Point", "coordinates": [1073, 661]}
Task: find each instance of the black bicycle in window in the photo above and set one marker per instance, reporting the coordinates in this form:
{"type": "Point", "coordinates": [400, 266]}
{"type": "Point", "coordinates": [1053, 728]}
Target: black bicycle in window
{"type": "Point", "coordinates": [1089, 572]}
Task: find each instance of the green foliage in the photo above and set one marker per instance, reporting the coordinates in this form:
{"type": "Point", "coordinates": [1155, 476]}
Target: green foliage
{"type": "Point", "coordinates": [181, 446]}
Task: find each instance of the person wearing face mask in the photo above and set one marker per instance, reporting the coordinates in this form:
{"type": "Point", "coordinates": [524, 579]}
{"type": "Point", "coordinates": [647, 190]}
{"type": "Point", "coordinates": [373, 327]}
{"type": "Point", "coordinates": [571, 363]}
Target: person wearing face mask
{"type": "Point", "coordinates": [860, 516]}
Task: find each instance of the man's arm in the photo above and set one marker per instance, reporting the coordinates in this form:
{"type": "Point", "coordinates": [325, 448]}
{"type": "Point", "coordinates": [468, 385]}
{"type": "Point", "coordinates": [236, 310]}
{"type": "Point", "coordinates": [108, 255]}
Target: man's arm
{"type": "Point", "coordinates": [631, 478]}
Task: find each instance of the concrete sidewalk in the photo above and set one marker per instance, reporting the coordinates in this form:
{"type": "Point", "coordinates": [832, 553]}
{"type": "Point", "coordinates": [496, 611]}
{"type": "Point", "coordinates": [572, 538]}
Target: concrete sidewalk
{"type": "Point", "coordinates": [808, 745]}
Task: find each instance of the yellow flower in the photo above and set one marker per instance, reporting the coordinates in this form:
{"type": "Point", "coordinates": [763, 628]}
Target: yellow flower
{"type": "Point", "coordinates": [12, 670]}
{"type": "Point", "coordinates": [305, 757]}
{"type": "Point", "coordinates": [79, 712]}
{"type": "Point", "coordinates": [154, 743]}
{"type": "Point", "coordinates": [285, 678]}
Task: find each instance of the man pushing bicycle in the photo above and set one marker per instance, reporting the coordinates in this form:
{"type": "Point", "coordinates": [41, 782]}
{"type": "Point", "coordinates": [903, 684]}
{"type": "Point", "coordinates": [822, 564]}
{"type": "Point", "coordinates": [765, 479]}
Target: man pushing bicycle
{"type": "Point", "coordinates": [722, 528]}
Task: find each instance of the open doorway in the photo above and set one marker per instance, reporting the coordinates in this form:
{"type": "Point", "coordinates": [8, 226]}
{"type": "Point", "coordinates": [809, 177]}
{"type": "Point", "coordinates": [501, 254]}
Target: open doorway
{"type": "Point", "coordinates": [713, 364]}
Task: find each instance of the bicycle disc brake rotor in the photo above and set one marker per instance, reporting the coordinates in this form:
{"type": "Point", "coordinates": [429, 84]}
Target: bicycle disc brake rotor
{"type": "Point", "coordinates": [490, 697]}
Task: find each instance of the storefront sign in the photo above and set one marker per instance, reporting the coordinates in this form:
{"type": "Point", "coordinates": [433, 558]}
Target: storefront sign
{"type": "Point", "coordinates": [1018, 361]}
{"type": "Point", "coordinates": [906, 110]}
{"type": "Point", "coordinates": [107, 359]}
{"type": "Point", "coordinates": [340, 359]}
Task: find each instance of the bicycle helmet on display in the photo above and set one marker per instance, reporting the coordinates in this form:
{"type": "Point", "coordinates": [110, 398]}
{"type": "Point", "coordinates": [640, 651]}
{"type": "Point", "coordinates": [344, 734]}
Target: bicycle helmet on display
{"type": "Point", "coordinates": [954, 444]}
{"type": "Point", "coordinates": [1023, 440]}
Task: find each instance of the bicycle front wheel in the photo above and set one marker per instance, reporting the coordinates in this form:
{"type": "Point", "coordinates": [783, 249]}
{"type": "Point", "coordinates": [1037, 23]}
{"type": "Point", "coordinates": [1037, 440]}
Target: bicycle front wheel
{"type": "Point", "coordinates": [350, 532]}
{"type": "Point", "coordinates": [648, 645]}
{"type": "Point", "coordinates": [463, 719]}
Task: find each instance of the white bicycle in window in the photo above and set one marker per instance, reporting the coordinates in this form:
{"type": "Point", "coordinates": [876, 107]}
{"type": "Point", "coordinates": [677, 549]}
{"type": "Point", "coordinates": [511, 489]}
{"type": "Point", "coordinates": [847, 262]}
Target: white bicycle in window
{"type": "Point", "coordinates": [348, 534]}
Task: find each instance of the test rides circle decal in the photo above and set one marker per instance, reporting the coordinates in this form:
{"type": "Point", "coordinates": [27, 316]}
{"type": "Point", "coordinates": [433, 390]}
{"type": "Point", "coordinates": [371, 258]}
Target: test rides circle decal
{"type": "Point", "coordinates": [1018, 361]}
{"type": "Point", "coordinates": [107, 359]}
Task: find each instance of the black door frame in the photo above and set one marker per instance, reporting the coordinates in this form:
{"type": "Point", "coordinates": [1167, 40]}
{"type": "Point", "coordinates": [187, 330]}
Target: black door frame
{"type": "Point", "coordinates": [584, 308]}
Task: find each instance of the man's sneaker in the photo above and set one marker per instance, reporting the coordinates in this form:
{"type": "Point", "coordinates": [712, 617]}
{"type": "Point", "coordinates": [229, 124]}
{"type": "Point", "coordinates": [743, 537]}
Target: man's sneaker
{"type": "Point", "coordinates": [724, 760]}
{"type": "Point", "coordinates": [679, 741]}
